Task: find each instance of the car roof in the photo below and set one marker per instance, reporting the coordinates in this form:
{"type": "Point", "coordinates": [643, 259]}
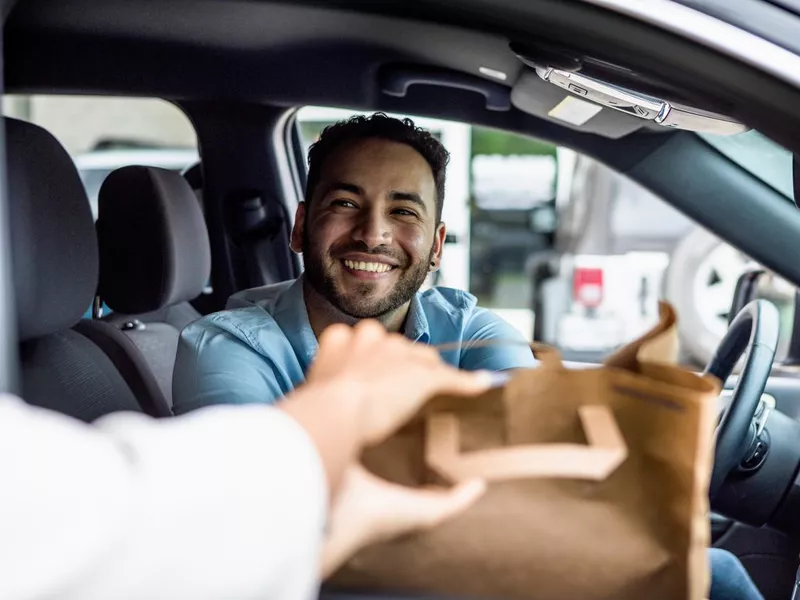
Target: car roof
{"type": "Point", "coordinates": [306, 53]}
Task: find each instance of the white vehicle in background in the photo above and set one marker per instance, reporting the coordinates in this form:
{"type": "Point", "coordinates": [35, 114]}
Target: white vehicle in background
{"type": "Point", "coordinates": [94, 166]}
{"type": "Point", "coordinates": [700, 283]}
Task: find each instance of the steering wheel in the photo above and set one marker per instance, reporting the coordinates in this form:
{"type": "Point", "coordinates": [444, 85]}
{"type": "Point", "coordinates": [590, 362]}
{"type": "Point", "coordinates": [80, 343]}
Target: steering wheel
{"type": "Point", "coordinates": [754, 332]}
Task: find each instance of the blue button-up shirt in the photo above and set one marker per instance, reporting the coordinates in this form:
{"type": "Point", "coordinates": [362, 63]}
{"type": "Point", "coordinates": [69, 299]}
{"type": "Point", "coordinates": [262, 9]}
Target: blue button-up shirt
{"type": "Point", "coordinates": [262, 351]}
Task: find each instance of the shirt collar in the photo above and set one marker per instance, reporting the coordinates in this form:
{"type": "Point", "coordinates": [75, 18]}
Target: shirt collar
{"type": "Point", "coordinates": [291, 316]}
{"type": "Point", "coordinates": [417, 328]}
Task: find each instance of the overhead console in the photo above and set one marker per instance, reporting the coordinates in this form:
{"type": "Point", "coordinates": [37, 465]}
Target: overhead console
{"type": "Point", "coordinates": [599, 97]}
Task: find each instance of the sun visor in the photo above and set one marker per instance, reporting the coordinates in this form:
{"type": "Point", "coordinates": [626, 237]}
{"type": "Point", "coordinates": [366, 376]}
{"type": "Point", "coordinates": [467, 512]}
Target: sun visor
{"type": "Point", "coordinates": [539, 98]}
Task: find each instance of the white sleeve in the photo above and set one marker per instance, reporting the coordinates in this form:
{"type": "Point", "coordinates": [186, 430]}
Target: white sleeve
{"type": "Point", "coordinates": [228, 502]}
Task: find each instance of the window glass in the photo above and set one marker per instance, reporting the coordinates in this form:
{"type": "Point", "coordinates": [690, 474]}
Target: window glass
{"type": "Point", "coordinates": [760, 156]}
{"type": "Point", "coordinates": [102, 134]}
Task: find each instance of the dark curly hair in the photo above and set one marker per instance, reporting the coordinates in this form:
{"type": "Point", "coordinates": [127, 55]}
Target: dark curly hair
{"type": "Point", "coordinates": [383, 127]}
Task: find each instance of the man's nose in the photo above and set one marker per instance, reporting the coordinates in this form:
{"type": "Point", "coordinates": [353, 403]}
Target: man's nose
{"type": "Point", "coordinates": [373, 229]}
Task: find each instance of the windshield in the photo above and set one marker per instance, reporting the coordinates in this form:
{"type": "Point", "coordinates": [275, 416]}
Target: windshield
{"type": "Point", "coordinates": [760, 156]}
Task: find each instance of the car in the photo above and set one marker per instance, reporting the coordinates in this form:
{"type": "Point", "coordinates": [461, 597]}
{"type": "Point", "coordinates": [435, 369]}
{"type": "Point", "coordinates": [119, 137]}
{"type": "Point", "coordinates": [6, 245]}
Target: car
{"type": "Point", "coordinates": [683, 97]}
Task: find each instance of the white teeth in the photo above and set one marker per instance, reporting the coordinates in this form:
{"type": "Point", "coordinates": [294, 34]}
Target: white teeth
{"type": "Point", "coordinates": [366, 266]}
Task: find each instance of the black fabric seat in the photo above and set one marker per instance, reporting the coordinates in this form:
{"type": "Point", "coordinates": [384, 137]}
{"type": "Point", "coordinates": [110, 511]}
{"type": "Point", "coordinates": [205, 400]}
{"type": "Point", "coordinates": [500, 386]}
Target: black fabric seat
{"type": "Point", "coordinates": [55, 274]}
{"type": "Point", "coordinates": [154, 258]}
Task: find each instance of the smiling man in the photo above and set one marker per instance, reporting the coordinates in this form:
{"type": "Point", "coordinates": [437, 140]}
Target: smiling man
{"type": "Point", "coordinates": [370, 231]}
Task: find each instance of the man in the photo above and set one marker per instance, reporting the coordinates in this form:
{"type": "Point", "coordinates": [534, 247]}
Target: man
{"type": "Point", "coordinates": [370, 232]}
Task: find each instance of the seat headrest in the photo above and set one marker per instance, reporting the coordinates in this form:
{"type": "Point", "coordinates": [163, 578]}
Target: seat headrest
{"type": "Point", "coordinates": [54, 248]}
{"type": "Point", "coordinates": [154, 249]}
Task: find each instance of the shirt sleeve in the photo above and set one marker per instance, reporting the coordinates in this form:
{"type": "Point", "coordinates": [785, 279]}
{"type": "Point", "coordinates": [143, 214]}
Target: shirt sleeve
{"type": "Point", "coordinates": [229, 502]}
{"type": "Point", "coordinates": [511, 350]}
{"type": "Point", "coordinates": [213, 366]}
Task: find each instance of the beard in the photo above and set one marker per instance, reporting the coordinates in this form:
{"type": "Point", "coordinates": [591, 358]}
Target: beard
{"type": "Point", "coordinates": [358, 302]}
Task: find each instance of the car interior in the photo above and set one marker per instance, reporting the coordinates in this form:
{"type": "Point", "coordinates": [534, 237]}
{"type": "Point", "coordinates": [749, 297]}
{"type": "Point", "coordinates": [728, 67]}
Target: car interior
{"type": "Point", "coordinates": [241, 69]}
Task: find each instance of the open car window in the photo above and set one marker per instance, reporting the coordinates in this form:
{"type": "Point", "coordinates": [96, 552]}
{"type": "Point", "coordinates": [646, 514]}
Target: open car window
{"type": "Point", "coordinates": [574, 254]}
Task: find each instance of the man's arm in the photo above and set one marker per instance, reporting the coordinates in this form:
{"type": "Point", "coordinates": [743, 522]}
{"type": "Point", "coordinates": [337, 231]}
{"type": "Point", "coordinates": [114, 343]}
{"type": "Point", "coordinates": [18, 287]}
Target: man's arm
{"type": "Point", "coordinates": [509, 348]}
{"type": "Point", "coordinates": [213, 366]}
{"type": "Point", "coordinates": [229, 502]}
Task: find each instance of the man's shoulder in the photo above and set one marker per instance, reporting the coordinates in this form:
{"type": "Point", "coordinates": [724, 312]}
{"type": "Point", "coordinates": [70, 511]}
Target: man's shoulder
{"type": "Point", "coordinates": [453, 312]}
{"type": "Point", "coordinates": [250, 325]}
{"type": "Point", "coordinates": [452, 300]}
{"type": "Point", "coordinates": [454, 316]}
{"type": "Point", "coordinates": [265, 296]}
{"type": "Point", "coordinates": [461, 309]}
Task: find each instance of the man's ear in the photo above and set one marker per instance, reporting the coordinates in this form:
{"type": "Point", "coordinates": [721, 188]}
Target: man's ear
{"type": "Point", "coordinates": [438, 246]}
{"type": "Point", "coordinates": [296, 243]}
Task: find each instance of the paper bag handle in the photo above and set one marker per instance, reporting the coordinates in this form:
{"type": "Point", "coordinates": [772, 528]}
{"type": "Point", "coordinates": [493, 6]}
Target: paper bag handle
{"type": "Point", "coordinates": [605, 451]}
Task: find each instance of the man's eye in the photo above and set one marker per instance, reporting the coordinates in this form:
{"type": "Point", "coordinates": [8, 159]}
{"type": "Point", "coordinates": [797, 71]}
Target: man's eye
{"type": "Point", "coordinates": [344, 203]}
{"type": "Point", "coordinates": [404, 212]}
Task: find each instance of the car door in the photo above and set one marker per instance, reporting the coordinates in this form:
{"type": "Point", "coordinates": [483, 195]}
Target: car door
{"type": "Point", "coordinates": [770, 555]}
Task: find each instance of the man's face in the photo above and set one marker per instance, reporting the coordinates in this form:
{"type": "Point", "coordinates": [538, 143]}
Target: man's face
{"type": "Point", "coordinates": [371, 230]}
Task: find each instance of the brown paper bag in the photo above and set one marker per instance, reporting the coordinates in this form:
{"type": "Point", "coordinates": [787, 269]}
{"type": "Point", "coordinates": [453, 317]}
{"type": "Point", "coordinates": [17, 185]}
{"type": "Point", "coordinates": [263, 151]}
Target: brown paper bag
{"type": "Point", "coordinates": [598, 482]}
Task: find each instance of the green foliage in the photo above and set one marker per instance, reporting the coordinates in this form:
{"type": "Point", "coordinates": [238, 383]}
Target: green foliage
{"type": "Point", "coordinates": [493, 141]}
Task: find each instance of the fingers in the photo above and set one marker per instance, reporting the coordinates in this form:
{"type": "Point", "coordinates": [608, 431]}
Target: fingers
{"type": "Point", "coordinates": [333, 344]}
{"type": "Point", "coordinates": [387, 375]}
{"type": "Point", "coordinates": [466, 383]}
{"type": "Point", "coordinates": [370, 510]}
{"type": "Point", "coordinates": [428, 354]}
{"type": "Point", "coordinates": [439, 506]}
{"type": "Point", "coordinates": [369, 330]}
{"type": "Point", "coordinates": [414, 509]}
{"type": "Point", "coordinates": [368, 337]}
{"type": "Point", "coordinates": [336, 335]}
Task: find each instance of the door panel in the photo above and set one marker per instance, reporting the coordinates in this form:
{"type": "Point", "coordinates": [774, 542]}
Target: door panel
{"type": "Point", "coordinates": [770, 556]}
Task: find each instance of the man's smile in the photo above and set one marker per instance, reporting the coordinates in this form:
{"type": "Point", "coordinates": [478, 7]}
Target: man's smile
{"type": "Point", "coordinates": [367, 266]}
{"type": "Point", "coordinates": [374, 267]}
{"type": "Point", "coordinates": [369, 270]}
